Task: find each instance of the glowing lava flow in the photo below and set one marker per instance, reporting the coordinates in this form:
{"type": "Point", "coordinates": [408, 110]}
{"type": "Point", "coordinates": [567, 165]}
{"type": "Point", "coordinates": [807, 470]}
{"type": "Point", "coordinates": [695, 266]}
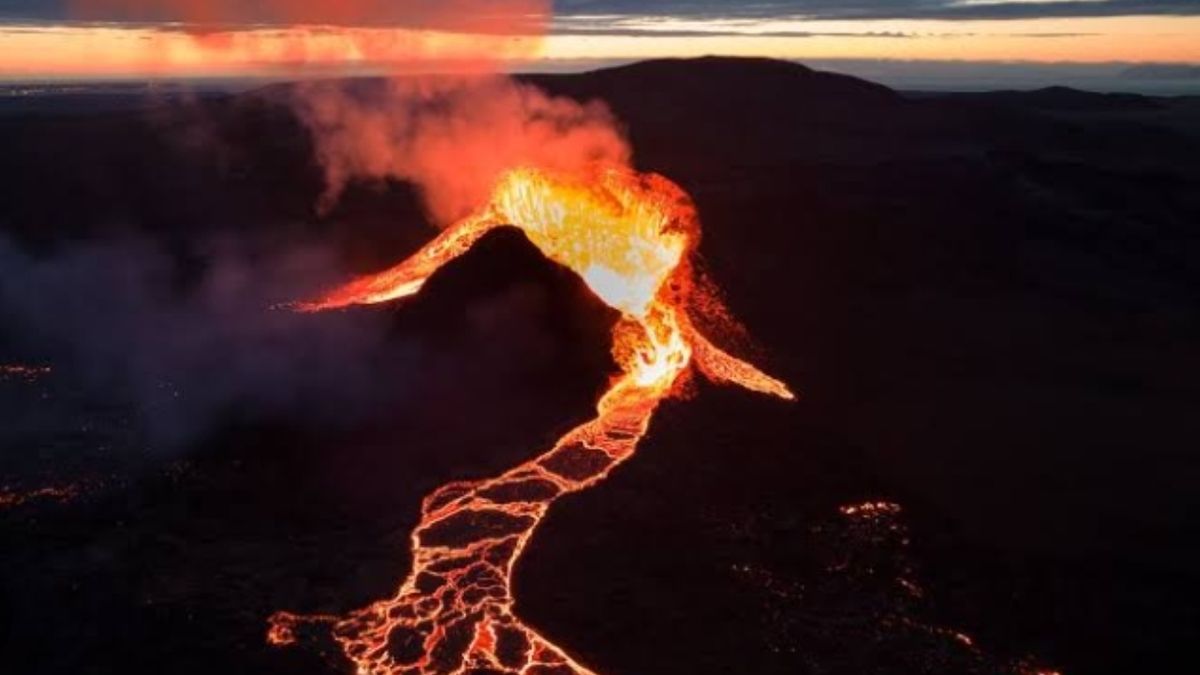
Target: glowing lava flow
{"type": "Point", "coordinates": [629, 237]}
{"type": "Point", "coordinates": [11, 499]}
{"type": "Point", "coordinates": [16, 371]}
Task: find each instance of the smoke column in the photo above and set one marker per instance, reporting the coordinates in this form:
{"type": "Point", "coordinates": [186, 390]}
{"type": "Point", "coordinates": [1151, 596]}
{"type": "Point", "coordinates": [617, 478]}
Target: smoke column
{"type": "Point", "coordinates": [453, 137]}
{"type": "Point", "coordinates": [451, 134]}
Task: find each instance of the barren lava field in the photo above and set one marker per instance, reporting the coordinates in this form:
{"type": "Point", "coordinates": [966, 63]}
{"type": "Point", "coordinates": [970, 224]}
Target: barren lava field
{"type": "Point", "coordinates": [986, 304]}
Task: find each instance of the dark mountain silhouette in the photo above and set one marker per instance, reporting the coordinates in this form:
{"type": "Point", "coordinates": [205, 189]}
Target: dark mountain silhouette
{"type": "Point", "coordinates": [987, 301]}
{"type": "Point", "coordinates": [734, 111]}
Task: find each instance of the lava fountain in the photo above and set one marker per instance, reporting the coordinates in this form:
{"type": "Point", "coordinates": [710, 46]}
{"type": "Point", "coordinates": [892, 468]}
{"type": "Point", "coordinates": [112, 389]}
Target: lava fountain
{"type": "Point", "coordinates": [630, 237]}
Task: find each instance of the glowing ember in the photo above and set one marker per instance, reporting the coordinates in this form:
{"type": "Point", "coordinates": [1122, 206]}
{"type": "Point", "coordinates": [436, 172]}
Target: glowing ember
{"type": "Point", "coordinates": [11, 498]}
{"type": "Point", "coordinates": [871, 509]}
{"type": "Point", "coordinates": [629, 237]}
{"type": "Point", "coordinates": [16, 371]}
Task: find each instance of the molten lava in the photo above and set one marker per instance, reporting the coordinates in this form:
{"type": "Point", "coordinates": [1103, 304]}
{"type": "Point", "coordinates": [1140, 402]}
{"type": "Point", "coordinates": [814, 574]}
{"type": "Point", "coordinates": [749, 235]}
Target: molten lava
{"type": "Point", "coordinates": [629, 237]}
{"type": "Point", "coordinates": [11, 498]}
{"type": "Point", "coordinates": [17, 371]}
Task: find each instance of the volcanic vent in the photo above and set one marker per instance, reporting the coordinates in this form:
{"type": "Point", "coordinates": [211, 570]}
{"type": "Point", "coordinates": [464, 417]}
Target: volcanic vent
{"type": "Point", "coordinates": [630, 237]}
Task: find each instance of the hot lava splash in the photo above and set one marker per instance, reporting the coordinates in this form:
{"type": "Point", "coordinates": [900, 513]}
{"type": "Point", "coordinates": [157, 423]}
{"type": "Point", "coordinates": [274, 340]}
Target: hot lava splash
{"type": "Point", "coordinates": [630, 237]}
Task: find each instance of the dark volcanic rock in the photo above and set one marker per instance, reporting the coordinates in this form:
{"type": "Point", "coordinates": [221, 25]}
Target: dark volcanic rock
{"type": "Point", "coordinates": [988, 304]}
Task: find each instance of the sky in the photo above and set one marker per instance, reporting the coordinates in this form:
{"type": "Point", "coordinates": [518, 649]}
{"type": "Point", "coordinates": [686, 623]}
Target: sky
{"type": "Point", "coordinates": [85, 39]}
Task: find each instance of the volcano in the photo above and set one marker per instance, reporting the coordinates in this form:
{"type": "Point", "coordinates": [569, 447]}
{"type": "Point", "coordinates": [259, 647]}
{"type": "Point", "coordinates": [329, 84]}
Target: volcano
{"type": "Point", "coordinates": [627, 236]}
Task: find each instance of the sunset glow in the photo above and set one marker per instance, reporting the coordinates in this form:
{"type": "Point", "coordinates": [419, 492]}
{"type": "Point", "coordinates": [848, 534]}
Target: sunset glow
{"type": "Point", "coordinates": [1089, 40]}
{"type": "Point", "coordinates": [117, 51]}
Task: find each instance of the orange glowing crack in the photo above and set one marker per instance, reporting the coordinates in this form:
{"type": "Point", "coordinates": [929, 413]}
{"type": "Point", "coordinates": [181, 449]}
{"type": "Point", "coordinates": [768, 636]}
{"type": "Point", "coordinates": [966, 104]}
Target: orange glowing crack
{"type": "Point", "coordinates": [629, 237]}
{"type": "Point", "coordinates": [11, 498]}
{"type": "Point", "coordinates": [17, 371]}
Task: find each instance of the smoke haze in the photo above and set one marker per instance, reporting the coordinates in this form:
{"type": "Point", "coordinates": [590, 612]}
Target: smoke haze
{"type": "Point", "coordinates": [118, 319]}
{"type": "Point", "coordinates": [451, 136]}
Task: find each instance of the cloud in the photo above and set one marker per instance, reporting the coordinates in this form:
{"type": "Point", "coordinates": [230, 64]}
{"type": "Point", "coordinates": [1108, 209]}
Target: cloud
{"type": "Point", "coordinates": [485, 16]}
{"type": "Point", "coordinates": [521, 14]}
{"type": "Point", "coordinates": [701, 10]}
{"type": "Point", "coordinates": [634, 31]}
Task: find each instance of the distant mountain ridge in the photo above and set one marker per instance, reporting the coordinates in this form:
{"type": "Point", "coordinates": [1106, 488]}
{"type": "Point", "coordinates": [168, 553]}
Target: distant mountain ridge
{"type": "Point", "coordinates": [1162, 71]}
{"type": "Point", "coordinates": [1064, 99]}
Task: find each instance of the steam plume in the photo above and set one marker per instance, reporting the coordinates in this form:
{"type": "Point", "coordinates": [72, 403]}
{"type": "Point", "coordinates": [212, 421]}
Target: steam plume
{"type": "Point", "coordinates": [453, 137]}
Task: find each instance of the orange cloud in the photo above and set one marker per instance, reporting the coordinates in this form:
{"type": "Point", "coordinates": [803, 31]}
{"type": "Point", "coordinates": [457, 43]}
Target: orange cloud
{"type": "Point", "coordinates": [237, 37]}
{"type": "Point", "coordinates": [474, 16]}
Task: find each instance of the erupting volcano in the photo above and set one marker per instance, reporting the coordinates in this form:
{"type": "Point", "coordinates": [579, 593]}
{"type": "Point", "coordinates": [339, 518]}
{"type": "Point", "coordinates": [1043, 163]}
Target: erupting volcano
{"type": "Point", "coordinates": [631, 238]}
